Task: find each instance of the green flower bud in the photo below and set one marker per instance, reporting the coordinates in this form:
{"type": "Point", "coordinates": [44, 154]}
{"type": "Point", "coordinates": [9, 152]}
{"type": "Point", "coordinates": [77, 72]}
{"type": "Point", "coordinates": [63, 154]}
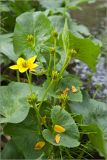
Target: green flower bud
{"type": "Point", "coordinates": [32, 99]}
{"type": "Point", "coordinates": [30, 39]}
{"type": "Point", "coordinates": [72, 53]}
{"type": "Point", "coordinates": [52, 50]}
{"type": "Point", "coordinates": [55, 75]}
{"type": "Point", "coordinates": [55, 34]}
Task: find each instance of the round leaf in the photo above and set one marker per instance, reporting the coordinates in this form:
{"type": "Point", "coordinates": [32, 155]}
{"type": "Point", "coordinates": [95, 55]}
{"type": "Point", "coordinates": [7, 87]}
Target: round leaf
{"type": "Point", "coordinates": [70, 137]}
{"type": "Point", "coordinates": [35, 24]}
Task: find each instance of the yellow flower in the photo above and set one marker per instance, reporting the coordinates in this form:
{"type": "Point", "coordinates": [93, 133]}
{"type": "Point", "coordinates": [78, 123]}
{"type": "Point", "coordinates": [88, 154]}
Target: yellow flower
{"type": "Point", "coordinates": [57, 138]}
{"type": "Point", "coordinates": [73, 89]}
{"type": "Point", "coordinates": [23, 65]}
{"type": "Point", "coordinates": [39, 145]}
{"type": "Point", "coordinates": [59, 129]}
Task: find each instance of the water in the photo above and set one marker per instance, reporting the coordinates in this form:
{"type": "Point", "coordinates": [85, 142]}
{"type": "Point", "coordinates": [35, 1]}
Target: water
{"type": "Point", "coordinates": [94, 16]}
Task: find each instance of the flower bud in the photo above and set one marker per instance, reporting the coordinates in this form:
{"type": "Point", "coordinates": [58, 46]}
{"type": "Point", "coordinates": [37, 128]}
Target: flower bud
{"type": "Point", "coordinates": [55, 34]}
{"type": "Point", "coordinates": [72, 53]}
{"type": "Point", "coordinates": [52, 50]}
{"type": "Point", "coordinates": [32, 99]}
{"type": "Point", "coordinates": [30, 39]}
{"type": "Point", "coordinates": [55, 75]}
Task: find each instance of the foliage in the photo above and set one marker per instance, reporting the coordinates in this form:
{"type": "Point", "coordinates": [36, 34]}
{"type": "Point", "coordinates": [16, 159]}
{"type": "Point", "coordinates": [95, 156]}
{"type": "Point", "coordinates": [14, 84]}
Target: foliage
{"type": "Point", "coordinates": [29, 112]}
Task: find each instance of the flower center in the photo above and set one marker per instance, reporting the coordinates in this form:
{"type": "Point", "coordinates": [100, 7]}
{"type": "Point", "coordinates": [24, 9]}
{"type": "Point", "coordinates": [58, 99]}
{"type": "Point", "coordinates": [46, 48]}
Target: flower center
{"type": "Point", "coordinates": [24, 64]}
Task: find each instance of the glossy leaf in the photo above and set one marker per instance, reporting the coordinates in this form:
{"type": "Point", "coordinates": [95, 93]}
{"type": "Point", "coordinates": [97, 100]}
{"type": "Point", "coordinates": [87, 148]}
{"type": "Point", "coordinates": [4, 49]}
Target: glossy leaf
{"type": "Point", "coordinates": [13, 102]}
{"type": "Point", "coordinates": [34, 24]}
{"type": "Point", "coordinates": [70, 137]}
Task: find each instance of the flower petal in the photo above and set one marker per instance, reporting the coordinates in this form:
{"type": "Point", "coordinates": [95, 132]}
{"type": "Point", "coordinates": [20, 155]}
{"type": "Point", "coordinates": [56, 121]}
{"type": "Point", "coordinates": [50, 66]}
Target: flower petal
{"type": "Point", "coordinates": [31, 60]}
{"type": "Point", "coordinates": [39, 145]}
{"type": "Point", "coordinates": [32, 66]}
{"type": "Point", "coordinates": [22, 69]}
{"type": "Point", "coordinates": [59, 129]}
{"type": "Point", "coordinates": [14, 67]}
{"type": "Point", "coordinates": [20, 61]}
{"type": "Point", "coordinates": [73, 89]}
{"type": "Point", "coordinates": [57, 138]}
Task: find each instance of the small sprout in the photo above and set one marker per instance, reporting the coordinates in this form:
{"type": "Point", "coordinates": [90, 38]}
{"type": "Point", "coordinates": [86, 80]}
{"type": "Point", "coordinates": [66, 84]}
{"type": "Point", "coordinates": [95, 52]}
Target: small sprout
{"type": "Point", "coordinates": [52, 50]}
{"type": "Point", "coordinates": [59, 129]}
{"type": "Point", "coordinates": [39, 145]}
{"type": "Point", "coordinates": [57, 138]}
{"type": "Point", "coordinates": [73, 89]}
{"type": "Point", "coordinates": [23, 65]}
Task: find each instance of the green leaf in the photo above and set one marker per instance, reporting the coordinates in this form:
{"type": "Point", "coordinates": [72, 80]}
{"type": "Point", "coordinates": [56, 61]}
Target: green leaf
{"type": "Point", "coordinates": [65, 37]}
{"type": "Point", "coordinates": [70, 137]}
{"type": "Point", "coordinates": [51, 4]}
{"type": "Point", "coordinates": [11, 151]}
{"type": "Point", "coordinates": [96, 137]}
{"type": "Point", "coordinates": [35, 24]}
{"type": "Point", "coordinates": [6, 46]}
{"type": "Point", "coordinates": [93, 112]}
{"type": "Point", "coordinates": [87, 50]}
{"type": "Point", "coordinates": [58, 22]}
{"type": "Point", "coordinates": [13, 100]}
{"type": "Point", "coordinates": [69, 81]}
{"type": "Point", "coordinates": [25, 135]}
{"type": "Point", "coordinates": [58, 87]}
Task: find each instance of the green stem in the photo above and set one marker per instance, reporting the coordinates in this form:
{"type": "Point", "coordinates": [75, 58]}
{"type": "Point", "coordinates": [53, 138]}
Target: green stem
{"type": "Point", "coordinates": [61, 153]}
{"type": "Point", "coordinates": [38, 117]}
{"type": "Point", "coordinates": [50, 61]}
{"type": "Point", "coordinates": [18, 76]}
{"type": "Point", "coordinates": [55, 54]}
{"type": "Point", "coordinates": [29, 81]}
{"type": "Point", "coordinates": [64, 66]}
{"type": "Point", "coordinates": [45, 94]}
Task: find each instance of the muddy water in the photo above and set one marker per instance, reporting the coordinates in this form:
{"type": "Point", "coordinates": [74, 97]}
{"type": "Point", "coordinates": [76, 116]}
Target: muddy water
{"type": "Point", "coordinates": [94, 16]}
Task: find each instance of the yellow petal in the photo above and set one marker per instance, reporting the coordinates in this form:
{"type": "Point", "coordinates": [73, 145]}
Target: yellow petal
{"type": "Point", "coordinates": [20, 61]}
{"type": "Point", "coordinates": [74, 90]}
{"type": "Point", "coordinates": [39, 145]}
{"type": "Point", "coordinates": [14, 67]}
{"type": "Point", "coordinates": [57, 138]}
{"type": "Point", "coordinates": [59, 129]}
{"type": "Point", "coordinates": [31, 60]}
{"type": "Point", "coordinates": [32, 66]}
{"type": "Point", "coordinates": [22, 69]}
